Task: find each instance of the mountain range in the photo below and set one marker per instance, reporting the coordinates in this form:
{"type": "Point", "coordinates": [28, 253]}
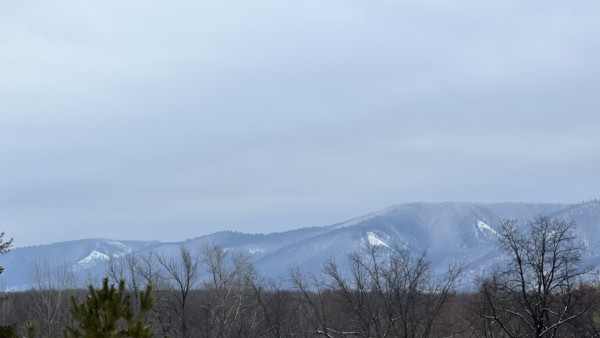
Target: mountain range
{"type": "Point", "coordinates": [450, 233]}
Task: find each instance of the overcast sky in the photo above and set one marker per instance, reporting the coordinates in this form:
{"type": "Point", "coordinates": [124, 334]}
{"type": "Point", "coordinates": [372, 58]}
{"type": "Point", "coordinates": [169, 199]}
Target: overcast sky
{"type": "Point", "coordinates": [170, 120]}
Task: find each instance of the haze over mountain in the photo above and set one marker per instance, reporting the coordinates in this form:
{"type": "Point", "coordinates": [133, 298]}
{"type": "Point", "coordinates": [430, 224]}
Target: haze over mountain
{"type": "Point", "coordinates": [452, 232]}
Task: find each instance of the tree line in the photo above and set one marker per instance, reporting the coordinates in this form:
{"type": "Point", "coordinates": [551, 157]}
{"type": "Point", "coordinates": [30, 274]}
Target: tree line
{"type": "Point", "coordinates": [541, 291]}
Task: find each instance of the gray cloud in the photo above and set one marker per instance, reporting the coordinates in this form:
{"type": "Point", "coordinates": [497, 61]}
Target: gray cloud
{"type": "Point", "coordinates": [162, 121]}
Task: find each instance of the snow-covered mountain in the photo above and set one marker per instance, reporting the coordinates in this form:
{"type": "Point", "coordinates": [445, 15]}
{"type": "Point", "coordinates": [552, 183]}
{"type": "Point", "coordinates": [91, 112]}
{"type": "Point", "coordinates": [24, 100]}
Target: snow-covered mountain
{"type": "Point", "coordinates": [452, 232]}
{"type": "Point", "coordinates": [80, 256]}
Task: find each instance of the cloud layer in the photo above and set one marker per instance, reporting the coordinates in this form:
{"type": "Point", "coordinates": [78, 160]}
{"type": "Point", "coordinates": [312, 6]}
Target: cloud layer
{"type": "Point", "coordinates": [155, 120]}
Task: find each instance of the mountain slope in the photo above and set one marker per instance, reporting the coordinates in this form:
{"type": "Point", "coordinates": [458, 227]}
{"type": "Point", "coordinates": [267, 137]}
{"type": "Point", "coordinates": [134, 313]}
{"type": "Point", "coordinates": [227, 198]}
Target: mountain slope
{"type": "Point", "coordinates": [453, 232]}
{"type": "Point", "coordinates": [80, 256]}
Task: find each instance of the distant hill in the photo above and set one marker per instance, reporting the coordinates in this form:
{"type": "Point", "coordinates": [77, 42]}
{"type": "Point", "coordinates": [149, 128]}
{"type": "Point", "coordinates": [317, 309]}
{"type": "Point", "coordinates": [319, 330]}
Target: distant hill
{"type": "Point", "coordinates": [452, 232]}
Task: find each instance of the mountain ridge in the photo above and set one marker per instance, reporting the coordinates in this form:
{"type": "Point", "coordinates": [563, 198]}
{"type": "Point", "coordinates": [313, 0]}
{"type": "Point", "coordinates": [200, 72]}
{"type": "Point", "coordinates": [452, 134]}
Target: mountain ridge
{"type": "Point", "coordinates": [449, 232]}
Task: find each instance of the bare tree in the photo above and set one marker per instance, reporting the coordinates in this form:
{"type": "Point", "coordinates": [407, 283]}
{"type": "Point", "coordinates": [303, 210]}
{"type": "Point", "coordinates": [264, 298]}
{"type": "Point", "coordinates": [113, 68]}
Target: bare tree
{"type": "Point", "coordinates": [276, 307]}
{"type": "Point", "coordinates": [148, 269]}
{"type": "Point", "coordinates": [4, 246]}
{"type": "Point", "coordinates": [392, 294]}
{"type": "Point", "coordinates": [125, 268]}
{"type": "Point", "coordinates": [228, 284]}
{"type": "Point", "coordinates": [313, 304]}
{"type": "Point", "coordinates": [542, 287]}
{"type": "Point", "coordinates": [182, 275]}
{"type": "Point", "coordinates": [361, 289]}
{"type": "Point", "coordinates": [52, 283]}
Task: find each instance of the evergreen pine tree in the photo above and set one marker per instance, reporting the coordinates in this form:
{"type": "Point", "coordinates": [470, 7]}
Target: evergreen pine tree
{"type": "Point", "coordinates": [108, 313]}
{"type": "Point", "coordinates": [5, 330]}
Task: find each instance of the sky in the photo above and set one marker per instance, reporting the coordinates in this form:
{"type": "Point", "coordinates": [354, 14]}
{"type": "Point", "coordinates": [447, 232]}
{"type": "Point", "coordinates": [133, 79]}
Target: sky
{"type": "Point", "coordinates": [157, 120]}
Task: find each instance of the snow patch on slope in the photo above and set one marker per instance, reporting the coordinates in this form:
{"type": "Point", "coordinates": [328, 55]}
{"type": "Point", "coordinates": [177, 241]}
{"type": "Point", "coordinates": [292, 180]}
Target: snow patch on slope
{"type": "Point", "coordinates": [253, 250]}
{"type": "Point", "coordinates": [486, 228]}
{"type": "Point", "coordinates": [124, 249]}
{"type": "Point", "coordinates": [93, 257]}
{"type": "Point", "coordinates": [375, 241]}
